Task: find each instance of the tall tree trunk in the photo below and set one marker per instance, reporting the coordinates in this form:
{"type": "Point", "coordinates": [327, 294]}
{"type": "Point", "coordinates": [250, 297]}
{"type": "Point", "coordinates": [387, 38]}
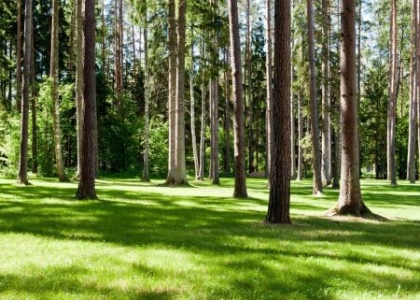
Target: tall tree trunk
{"type": "Point", "coordinates": [79, 81]}
{"type": "Point", "coordinates": [279, 199]}
{"type": "Point", "coordinates": [62, 177]}
{"type": "Point", "coordinates": [34, 90]}
{"type": "Point", "coordinates": [248, 88]}
{"type": "Point", "coordinates": [146, 153]}
{"type": "Point", "coordinates": [412, 132]}
{"type": "Point", "coordinates": [180, 168]}
{"type": "Point", "coordinates": [119, 38]}
{"type": "Point", "coordinates": [19, 57]}
{"type": "Point", "coordinates": [172, 45]}
{"type": "Point", "coordinates": [317, 186]}
{"type": "Point", "coordinates": [214, 102]}
{"type": "Point", "coordinates": [417, 84]}
{"type": "Point", "coordinates": [299, 175]}
{"type": "Point", "coordinates": [86, 187]}
{"type": "Point", "coordinates": [326, 98]}
{"type": "Point", "coordinates": [392, 176]}
{"type": "Point", "coordinates": [28, 40]}
{"type": "Point", "coordinates": [103, 45]}
{"type": "Point", "coordinates": [227, 115]}
{"type": "Point", "coordinates": [238, 105]}
{"type": "Point", "coordinates": [350, 199]}
{"type": "Point", "coordinates": [192, 112]}
{"type": "Point", "coordinates": [268, 70]}
{"type": "Point", "coordinates": [202, 120]}
{"type": "Point", "coordinates": [292, 109]}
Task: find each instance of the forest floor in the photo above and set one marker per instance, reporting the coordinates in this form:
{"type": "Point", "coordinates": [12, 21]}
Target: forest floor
{"type": "Point", "coordinates": [144, 241]}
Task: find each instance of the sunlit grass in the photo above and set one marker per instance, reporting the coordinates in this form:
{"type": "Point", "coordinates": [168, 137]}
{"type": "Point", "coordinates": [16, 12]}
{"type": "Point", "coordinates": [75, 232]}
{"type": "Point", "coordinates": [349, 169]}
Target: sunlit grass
{"type": "Point", "coordinates": [145, 241]}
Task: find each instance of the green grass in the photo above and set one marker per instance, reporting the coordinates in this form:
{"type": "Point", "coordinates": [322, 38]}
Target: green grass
{"type": "Point", "coordinates": [143, 241]}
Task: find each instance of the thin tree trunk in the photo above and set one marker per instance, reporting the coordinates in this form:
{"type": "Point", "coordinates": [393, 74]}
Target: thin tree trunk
{"type": "Point", "coordinates": [62, 177]}
{"type": "Point", "coordinates": [33, 108]}
{"type": "Point", "coordinates": [227, 116]}
{"type": "Point", "coordinates": [279, 199]}
{"type": "Point", "coordinates": [146, 153]}
{"type": "Point", "coordinates": [214, 103]}
{"type": "Point", "coordinates": [268, 68]}
{"type": "Point", "coordinates": [202, 121]}
{"type": "Point", "coordinates": [86, 187]}
{"type": "Point", "coordinates": [392, 176]}
{"type": "Point", "coordinates": [28, 40]}
{"type": "Point", "coordinates": [238, 105]}
{"type": "Point", "coordinates": [180, 168]}
{"type": "Point", "coordinates": [119, 38]}
{"type": "Point", "coordinates": [79, 81]}
{"type": "Point", "coordinates": [292, 110]}
{"type": "Point", "coordinates": [412, 132]}
{"type": "Point", "coordinates": [248, 88]}
{"type": "Point", "coordinates": [326, 98]}
{"type": "Point", "coordinates": [299, 176]}
{"type": "Point", "coordinates": [317, 186]}
{"type": "Point", "coordinates": [192, 114]}
{"type": "Point", "coordinates": [172, 45]}
{"type": "Point", "coordinates": [19, 57]}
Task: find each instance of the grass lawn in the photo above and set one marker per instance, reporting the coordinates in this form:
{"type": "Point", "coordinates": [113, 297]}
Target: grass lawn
{"type": "Point", "coordinates": [143, 241]}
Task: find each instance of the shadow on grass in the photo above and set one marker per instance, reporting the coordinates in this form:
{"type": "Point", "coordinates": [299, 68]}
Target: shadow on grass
{"type": "Point", "coordinates": [217, 228]}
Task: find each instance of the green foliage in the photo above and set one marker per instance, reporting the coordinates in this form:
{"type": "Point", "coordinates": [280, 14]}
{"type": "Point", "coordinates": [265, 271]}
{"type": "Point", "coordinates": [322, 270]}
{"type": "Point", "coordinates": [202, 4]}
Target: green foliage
{"type": "Point", "coordinates": [9, 142]}
{"type": "Point", "coordinates": [45, 137]}
{"type": "Point", "coordinates": [159, 133]}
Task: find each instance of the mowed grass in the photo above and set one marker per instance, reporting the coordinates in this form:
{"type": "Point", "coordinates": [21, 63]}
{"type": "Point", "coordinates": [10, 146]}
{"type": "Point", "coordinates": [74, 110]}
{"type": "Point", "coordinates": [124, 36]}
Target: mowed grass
{"type": "Point", "coordinates": [144, 241]}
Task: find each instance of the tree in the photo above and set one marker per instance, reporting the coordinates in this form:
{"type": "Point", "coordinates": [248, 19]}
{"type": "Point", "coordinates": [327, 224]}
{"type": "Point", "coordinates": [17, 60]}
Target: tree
{"type": "Point", "coordinates": [214, 99]}
{"type": "Point", "coordinates": [392, 114]}
{"type": "Point", "coordinates": [317, 187]}
{"type": "Point", "coordinates": [19, 56]}
{"type": "Point", "coordinates": [269, 82]}
{"type": "Point", "coordinates": [119, 38]}
{"type": "Point", "coordinates": [279, 199]}
{"type": "Point", "coordinates": [79, 81]}
{"type": "Point", "coordinates": [27, 48]}
{"type": "Point", "coordinates": [86, 188]}
{"type": "Point", "coordinates": [146, 153]}
{"type": "Point", "coordinates": [350, 200]}
{"type": "Point", "coordinates": [412, 132]}
{"type": "Point", "coordinates": [326, 98]}
{"type": "Point", "coordinates": [238, 105]}
{"type": "Point", "coordinates": [54, 93]}
{"type": "Point", "coordinates": [192, 110]}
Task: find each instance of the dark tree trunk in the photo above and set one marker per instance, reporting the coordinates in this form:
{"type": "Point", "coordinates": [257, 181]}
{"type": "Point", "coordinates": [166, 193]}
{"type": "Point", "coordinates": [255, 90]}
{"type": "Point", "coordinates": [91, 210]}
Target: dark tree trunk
{"type": "Point", "coordinates": [279, 199]}
{"type": "Point", "coordinates": [240, 190]}
{"type": "Point", "coordinates": [28, 40]}
{"type": "Point", "coordinates": [350, 199]}
{"type": "Point", "coordinates": [86, 188]}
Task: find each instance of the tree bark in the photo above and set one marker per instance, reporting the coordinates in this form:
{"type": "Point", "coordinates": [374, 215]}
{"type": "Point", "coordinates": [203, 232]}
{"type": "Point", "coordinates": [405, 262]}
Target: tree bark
{"type": "Point", "coordinates": [62, 177]}
{"type": "Point", "coordinates": [86, 187]}
{"type": "Point", "coordinates": [317, 186]}
{"type": "Point", "coordinates": [279, 199]}
{"type": "Point", "coordinates": [269, 79]}
{"type": "Point", "coordinates": [79, 81]}
{"type": "Point", "coordinates": [326, 98]}
{"type": "Point", "coordinates": [350, 199]}
{"type": "Point", "coordinates": [119, 38]}
{"type": "Point", "coordinates": [192, 113]}
{"type": "Point", "coordinates": [240, 190]}
{"type": "Point", "coordinates": [28, 40]}
{"type": "Point", "coordinates": [34, 91]}
{"type": "Point", "coordinates": [19, 57]}
{"type": "Point", "coordinates": [227, 116]}
{"type": "Point", "coordinates": [146, 153]}
{"type": "Point", "coordinates": [172, 45]}
{"type": "Point", "coordinates": [392, 176]}
{"type": "Point", "coordinates": [202, 121]}
{"type": "Point", "coordinates": [412, 132]}
{"type": "Point", "coordinates": [180, 170]}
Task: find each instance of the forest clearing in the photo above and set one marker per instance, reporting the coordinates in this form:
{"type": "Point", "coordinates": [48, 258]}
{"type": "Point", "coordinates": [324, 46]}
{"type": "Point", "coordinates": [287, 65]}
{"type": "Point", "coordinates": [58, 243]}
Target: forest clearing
{"type": "Point", "coordinates": [144, 241]}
